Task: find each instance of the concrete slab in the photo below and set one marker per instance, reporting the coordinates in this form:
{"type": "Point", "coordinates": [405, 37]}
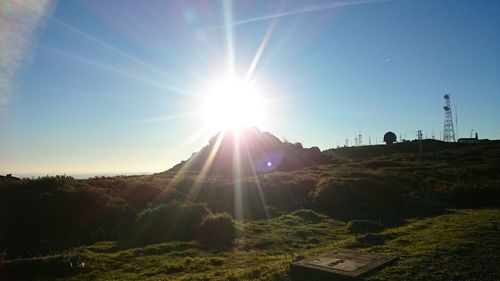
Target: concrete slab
{"type": "Point", "coordinates": [340, 264]}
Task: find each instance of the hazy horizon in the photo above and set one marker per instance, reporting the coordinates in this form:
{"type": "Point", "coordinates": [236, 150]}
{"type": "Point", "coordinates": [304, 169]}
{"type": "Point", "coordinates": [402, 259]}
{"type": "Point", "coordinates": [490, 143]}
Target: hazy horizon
{"type": "Point", "coordinates": [76, 175]}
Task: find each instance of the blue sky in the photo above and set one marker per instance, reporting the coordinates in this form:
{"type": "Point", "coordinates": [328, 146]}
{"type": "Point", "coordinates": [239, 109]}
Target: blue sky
{"type": "Point", "coordinates": [110, 86]}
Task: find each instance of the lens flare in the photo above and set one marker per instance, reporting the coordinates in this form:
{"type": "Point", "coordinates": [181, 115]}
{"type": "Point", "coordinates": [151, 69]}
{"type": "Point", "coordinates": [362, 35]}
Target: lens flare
{"type": "Point", "coordinates": [19, 21]}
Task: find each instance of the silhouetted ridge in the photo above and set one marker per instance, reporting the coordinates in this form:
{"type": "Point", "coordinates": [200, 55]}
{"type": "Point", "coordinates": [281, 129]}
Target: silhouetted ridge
{"type": "Point", "coordinates": [255, 151]}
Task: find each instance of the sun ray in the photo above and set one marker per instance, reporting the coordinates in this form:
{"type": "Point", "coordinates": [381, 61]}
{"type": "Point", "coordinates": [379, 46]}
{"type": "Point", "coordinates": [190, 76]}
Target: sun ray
{"type": "Point", "coordinates": [204, 132]}
{"type": "Point", "coordinates": [257, 181]}
{"type": "Point", "coordinates": [202, 175]}
{"type": "Point", "coordinates": [260, 50]}
{"type": "Point", "coordinates": [114, 70]}
{"type": "Point", "coordinates": [193, 191]}
{"type": "Point", "coordinates": [238, 198]}
{"type": "Point", "coordinates": [186, 166]}
{"type": "Point", "coordinates": [173, 182]}
{"type": "Point", "coordinates": [228, 17]}
{"type": "Point", "coordinates": [116, 50]}
{"type": "Point", "coordinates": [170, 117]}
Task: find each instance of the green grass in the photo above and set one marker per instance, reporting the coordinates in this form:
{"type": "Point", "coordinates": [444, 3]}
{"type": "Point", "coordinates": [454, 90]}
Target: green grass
{"type": "Point", "coordinates": [411, 193]}
{"type": "Point", "coordinates": [458, 245]}
{"type": "Point", "coordinates": [461, 245]}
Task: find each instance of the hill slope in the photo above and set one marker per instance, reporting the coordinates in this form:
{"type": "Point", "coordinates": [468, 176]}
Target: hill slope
{"type": "Point", "coordinates": [153, 222]}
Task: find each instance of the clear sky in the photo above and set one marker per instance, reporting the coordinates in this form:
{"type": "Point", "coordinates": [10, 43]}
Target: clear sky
{"type": "Point", "coordinates": [93, 87]}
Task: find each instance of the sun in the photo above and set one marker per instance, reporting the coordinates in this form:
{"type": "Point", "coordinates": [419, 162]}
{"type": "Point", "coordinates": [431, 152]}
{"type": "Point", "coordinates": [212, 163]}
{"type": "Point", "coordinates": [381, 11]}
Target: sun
{"type": "Point", "coordinates": [232, 103]}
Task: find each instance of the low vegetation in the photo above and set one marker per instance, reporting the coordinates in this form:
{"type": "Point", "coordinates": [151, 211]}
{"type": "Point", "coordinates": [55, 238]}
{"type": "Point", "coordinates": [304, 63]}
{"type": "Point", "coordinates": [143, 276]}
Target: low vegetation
{"type": "Point", "coordinates": [435, 211]}
{"type": "Point", "coordinates": [217, 231]}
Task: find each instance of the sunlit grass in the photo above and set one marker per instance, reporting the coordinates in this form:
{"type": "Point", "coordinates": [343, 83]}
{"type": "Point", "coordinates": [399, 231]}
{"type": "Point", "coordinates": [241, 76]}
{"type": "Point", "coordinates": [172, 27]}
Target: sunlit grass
{"type": "Point", "coordinates": [428, 249]}
{"type": "Point", "coordinates": [272, 229]}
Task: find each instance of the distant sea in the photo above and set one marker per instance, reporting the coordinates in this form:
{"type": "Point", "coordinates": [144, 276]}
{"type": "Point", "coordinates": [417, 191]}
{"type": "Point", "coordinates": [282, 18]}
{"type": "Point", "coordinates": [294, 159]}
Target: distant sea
{"type": "Point", "coordinates": [78, 176]}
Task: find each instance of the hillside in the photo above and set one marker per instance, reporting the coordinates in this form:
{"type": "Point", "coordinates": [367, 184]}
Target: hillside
{"type": "Point", "coordinates": [409, 147]}
{"type": "Point", "coordinates": [437, 210]}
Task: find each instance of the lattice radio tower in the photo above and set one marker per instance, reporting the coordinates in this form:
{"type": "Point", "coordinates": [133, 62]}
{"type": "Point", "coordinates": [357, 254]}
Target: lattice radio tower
{"type": "Point", "coordinates": [448, 133]}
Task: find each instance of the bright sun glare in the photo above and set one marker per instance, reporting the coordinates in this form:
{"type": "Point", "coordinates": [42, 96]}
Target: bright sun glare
{"type": "Point", "coordinates": [232, 103]}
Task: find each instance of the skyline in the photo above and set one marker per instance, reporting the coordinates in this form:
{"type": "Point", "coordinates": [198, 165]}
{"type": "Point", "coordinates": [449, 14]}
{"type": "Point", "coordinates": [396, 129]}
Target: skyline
{"type": "Point", "coordinates": [100, 92]}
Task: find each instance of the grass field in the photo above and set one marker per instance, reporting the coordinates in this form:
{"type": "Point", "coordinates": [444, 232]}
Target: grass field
{"type": "Point", "coordinates": [440, 213]}
{"type": "Point", "coordinates": [457, 245]}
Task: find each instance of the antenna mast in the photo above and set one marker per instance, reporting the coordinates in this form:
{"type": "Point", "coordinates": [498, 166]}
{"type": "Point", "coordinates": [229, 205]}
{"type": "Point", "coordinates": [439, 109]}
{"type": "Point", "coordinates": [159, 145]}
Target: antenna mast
{"type": "Point", "coordinates": [419, 138]}
{"type": "Point", "coordinates": [448, 133]}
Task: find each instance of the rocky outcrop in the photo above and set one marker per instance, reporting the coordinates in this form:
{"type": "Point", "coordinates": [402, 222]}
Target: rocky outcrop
{"type": "Point", "coordinates": [255, 151]}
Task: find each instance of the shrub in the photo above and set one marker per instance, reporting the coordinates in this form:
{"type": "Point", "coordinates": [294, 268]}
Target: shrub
{"type": "Point", "coordinates": [338, 198]}
{"type": "Point", "coordinates": [61, 265]}
{"type": "Point", "coordinates": [141, 194]}
{"type": "Point", "coordinates": [308, 216]}
{"type": "Point", "coordinates": [217, 231]}
{"type": "Point", "coordinates": [363, 226]}
{"type": "Point", "coordinates": [359, 198]}
{"type": "Point", "coordinates": [167, 222]}
{"type": "Point", "coordinates": [51, 213]}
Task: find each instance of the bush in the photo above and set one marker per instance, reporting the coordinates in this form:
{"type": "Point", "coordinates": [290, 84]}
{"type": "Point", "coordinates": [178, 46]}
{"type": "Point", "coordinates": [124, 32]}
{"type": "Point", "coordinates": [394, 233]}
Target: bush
{"type": "Point", "coordinates": [217, 231]}
{"type": "Point", "coordinates": [41, 216]}
{"type": "Point", "coordinates": [363, 226]}
{"type": "Point", "coordinates": [338, 198]}
{"type": "Point", "coordinates": [141, 194]}
{"type": "Point", "coordinates": [308, 216]}
{"type": "Point", "coordinates": [359, 198]}
{"type": "Point", "coordinates": [62, 265]}
{"type": "Point", "coordinates": [167, 222]}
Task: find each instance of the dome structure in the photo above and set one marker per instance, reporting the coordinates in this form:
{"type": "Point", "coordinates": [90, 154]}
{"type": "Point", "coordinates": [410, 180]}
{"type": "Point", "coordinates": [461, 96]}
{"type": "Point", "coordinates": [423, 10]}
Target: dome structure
{"type": "Point", "coordinates": [389, 137]}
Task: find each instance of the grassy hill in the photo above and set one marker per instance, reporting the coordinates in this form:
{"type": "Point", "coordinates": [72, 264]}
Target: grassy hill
{"type": "Point", "coordinates": [440, 213]}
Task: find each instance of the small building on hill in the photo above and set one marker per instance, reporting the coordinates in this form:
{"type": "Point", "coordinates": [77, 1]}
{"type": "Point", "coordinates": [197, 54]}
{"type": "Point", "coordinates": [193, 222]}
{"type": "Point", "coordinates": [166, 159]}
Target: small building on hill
{"type": "Point", "coordinates": [469, 140]}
